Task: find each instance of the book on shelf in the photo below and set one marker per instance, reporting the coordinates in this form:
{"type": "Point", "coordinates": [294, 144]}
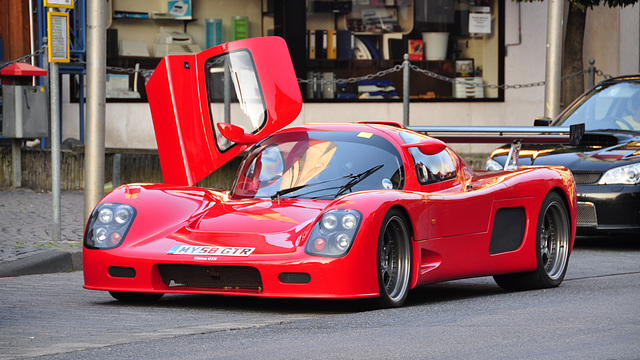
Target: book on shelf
{"type": "Point", "coordinates": [416, 49]}
{"type": "Point", "coordinates": [311, 44]}
{"type": "Point", "coordinates": [345, 44]}
{"type": "Point", "coordinates": [321, 44]}
{"type": "Point", "coordinates": [332, 44]}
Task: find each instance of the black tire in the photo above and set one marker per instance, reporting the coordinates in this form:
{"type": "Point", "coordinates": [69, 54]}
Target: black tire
{"type": "Point", "coordinates": [394, 260]}
{"type": "Point", "coordinates": [135, 297]}
{"type": "Point", "coordinates": [553, 241]}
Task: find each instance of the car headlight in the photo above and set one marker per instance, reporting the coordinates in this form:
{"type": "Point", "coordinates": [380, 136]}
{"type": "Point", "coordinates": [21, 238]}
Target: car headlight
{"type": "Point", "coordinates": [108, 225]}
{"type": "Point", "coordinates": [628, 175]}
{"type": "Point", "coordinates": [491, 164]}
{"type": "Point", "coordinates": [333, 234]}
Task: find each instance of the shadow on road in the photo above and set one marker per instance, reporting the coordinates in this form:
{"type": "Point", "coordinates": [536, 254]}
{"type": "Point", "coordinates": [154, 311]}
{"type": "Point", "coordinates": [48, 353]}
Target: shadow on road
{"type": "Point", "coordinates": [619, 242]}
{"type": "Point", "coordinates": [423, 295]}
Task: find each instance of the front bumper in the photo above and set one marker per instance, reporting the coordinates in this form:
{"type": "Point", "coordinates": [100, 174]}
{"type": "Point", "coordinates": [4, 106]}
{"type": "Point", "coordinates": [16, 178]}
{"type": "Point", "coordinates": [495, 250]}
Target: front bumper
{"type": "Point", "coordinates": [608, 209]}
{"type": "Point", "coordinates": [293, 275]}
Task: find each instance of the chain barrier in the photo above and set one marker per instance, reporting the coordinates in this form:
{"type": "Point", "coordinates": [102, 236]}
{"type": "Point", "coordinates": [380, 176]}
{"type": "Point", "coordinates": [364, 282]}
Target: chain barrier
{"type": "Point", "coordinates": [454, 81]}
{"type": "Point", "coordinates": [24, 58]}
{"type": "Point", "coordinates": [352, 80]}
{"type": "Point", "coordinates": [490, 86]}
{"type": "Point", "coordinates": [143, 72]}
{"type": "Point", "coordinates": [600, 73]}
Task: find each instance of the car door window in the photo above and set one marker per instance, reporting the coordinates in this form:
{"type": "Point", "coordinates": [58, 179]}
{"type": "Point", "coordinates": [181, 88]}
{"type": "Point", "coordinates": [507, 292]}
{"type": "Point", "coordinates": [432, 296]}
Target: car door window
{"type": "Point", "coordinates": [430, 168]}
{"type": "Point", "coordinates": [234, 94]}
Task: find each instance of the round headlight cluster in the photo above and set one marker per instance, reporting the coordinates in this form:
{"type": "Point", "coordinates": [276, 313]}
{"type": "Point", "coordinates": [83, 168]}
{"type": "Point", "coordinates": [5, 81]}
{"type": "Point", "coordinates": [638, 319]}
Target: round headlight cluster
{"type": "Point", "coordinates": [333, 234]}
{"type": "Point", "coordinates": [108, 225]}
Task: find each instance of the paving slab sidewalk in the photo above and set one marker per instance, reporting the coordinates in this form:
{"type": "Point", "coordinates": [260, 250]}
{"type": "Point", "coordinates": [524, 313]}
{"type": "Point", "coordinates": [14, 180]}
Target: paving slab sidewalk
{"type": "Point", "coordinates": [26, 240]}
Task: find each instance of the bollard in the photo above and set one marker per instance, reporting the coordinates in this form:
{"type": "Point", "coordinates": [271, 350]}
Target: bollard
{"type": "Point", "coordinates": [405, 90]}
{"type": "Point", "coordinates": [592, 72]}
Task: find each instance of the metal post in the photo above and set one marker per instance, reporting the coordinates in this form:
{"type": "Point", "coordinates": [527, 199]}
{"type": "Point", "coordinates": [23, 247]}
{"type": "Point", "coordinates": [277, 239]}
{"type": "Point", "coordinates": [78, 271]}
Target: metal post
{"type": "Point", "coordinates": [592, 72]}
{"type": "Point", "coordinates": [553, 76]}
{"type": "Point", "coordinates": [405, 90]}
{"type": "Point", "coordinates": [16, 162]}
{"type": "Point", "coordinates": [115, 177]}
{"type": "Point", "coordinates": [55, 148]}
{"type": "Point", "coordinates": [96, 95]}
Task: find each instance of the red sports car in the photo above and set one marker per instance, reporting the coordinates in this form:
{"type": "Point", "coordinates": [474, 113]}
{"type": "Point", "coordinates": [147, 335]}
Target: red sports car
{"type": "Point", "coordinates": [317, 211]}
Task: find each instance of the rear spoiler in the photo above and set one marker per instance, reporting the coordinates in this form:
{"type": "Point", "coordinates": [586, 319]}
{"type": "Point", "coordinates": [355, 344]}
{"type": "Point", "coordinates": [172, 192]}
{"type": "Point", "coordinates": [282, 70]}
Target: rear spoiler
{"type": "Point", "coordinates": [516, 135]}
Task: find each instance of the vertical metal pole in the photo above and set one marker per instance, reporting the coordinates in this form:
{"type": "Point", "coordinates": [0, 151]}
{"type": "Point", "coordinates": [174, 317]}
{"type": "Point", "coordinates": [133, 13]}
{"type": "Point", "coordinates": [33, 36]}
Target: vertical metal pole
{"type": "Point", "coordinates": [96, 95]}
{"type": "Point", "coordinates": [553, 75]}
{"type": "Point", "coordinates": [81, 104]}
{"type": "Point", "coordinates": [405, 90]}
{"type": "Point", "coordinates": [592, 73]}
{"type": "Point", "coordinates": [115, 178]}
{"type": "Point", "coordinates": [16, 162]}
{"type": "Point", "coordinates": [54, 93]}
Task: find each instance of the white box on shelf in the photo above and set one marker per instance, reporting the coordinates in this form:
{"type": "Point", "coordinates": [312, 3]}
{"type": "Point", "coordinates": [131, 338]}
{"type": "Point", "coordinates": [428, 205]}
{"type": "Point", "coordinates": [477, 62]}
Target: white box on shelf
{"type": "Point", "coordinates": [462, 91]}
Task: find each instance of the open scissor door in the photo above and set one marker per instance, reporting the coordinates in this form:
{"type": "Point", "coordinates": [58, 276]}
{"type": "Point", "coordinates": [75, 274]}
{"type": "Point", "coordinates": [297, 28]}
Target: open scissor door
{"type": "Point", "coordinates": [209, 107]}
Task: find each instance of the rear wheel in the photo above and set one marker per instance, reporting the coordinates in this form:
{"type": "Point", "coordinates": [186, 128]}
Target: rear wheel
{"type": "Point", "coordinates": [135, 297]}
{"type": "Point", "coordinates": [553, 247]}
{"type": "Point", "coordinates": [394, 260]}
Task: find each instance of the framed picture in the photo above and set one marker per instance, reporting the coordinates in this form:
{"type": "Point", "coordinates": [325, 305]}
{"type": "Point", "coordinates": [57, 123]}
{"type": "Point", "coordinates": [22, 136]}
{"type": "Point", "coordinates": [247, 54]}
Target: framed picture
{"type": "Point", "coordinates": [464, 68]}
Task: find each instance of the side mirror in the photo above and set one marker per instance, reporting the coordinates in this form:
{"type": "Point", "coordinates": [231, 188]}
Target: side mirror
{"type": "Point", "coordinates": [236, 134]}
{"type": "Point", "coordinates": [428, 146]}
{"type": "Point", "coordinates": [542, 121]}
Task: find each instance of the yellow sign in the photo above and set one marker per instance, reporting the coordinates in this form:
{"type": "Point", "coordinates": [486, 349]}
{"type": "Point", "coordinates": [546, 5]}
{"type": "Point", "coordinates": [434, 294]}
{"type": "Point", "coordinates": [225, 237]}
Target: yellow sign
{"type": "Point", "coordinates": [58, 36]}
{"type": "Point", "coordinates": [59, 3]}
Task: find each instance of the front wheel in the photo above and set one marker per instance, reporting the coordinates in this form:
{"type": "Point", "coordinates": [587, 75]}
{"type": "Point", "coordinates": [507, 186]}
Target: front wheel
{"type": "Point", "coordinates": [394, 260]}
{"type": "Point", "coordinates": [135, 297]}
{"type": "Point", "coordinates": [553, 241]}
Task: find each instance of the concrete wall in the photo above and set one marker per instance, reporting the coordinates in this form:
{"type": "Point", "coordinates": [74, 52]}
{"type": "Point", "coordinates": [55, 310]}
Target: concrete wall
{"type": "Point", "coordinates": [616, 52]}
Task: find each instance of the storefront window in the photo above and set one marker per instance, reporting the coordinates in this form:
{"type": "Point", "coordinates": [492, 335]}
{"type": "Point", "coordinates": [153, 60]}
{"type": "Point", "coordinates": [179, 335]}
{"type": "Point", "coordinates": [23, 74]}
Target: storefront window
{"type": "Point", "coordinates": [460, 40]}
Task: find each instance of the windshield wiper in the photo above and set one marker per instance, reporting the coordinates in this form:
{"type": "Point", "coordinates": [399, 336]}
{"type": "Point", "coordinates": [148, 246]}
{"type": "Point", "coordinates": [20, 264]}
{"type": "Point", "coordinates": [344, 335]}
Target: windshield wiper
{"type": "Point", "coordinates": [354, 180]}
{"type": "Point", "coordinates": [357, 179]}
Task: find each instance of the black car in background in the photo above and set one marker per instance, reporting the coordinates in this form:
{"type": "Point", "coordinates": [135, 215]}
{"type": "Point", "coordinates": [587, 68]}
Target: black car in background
{"type": "Point", "coordinates": [606, 164]}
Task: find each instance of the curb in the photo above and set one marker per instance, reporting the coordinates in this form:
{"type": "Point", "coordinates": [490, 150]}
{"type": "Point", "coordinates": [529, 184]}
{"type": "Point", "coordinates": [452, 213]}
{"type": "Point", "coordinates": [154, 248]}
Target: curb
{"type": "Point", "coordinates": [43, 263]}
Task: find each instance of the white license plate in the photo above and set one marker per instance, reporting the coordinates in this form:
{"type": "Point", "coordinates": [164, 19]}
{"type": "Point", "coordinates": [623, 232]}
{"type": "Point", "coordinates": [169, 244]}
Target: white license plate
{"type": "Point", "coordinates": [210, 250]}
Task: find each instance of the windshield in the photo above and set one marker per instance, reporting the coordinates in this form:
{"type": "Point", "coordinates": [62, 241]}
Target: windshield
{"type": "Point", "coordinates": [318, 165]}
{"type": "Point", "coordinates": [612, 106]}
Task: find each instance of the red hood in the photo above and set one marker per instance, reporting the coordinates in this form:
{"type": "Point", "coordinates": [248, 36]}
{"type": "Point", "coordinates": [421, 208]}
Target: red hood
{"type": "Point", "coordinates": [265, 225]}
{"type": "Point", "coordinates": [200, 217]}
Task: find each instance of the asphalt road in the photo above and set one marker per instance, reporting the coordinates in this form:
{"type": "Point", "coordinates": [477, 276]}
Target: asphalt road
{"type": "Point", "coordinates": [594, 314]}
